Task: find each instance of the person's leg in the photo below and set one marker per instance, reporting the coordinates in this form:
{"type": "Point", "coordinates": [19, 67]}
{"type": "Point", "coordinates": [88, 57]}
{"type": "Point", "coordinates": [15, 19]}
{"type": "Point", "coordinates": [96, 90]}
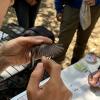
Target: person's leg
{"type": "Point", "coordinates": [69, 24]}
{"type": "Point", "coordinates": [22, 12]}
{"type": "Point", "coordinates": [33, 13]}
{"type": "Point", "coordinates": [83, 36]}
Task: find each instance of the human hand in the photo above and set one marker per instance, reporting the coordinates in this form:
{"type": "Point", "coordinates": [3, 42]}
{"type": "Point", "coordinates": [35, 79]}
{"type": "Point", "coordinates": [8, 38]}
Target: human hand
{"type": "Point", "coordinates": [54, 89]}
{"type": "Point", "coordinates": [59, 17]}
{"type": "Point", "coordinates": [31, 2]}
{"type": "Point", "coordinates": [94, 80]}
{"type": "Point", "coordinates": [90, 2]}
{"type": "Point", "coordinates": [18, 51]}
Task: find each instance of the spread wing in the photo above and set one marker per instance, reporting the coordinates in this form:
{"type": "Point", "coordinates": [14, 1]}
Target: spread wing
{"type": "Point", "coordinates": [53, 51]}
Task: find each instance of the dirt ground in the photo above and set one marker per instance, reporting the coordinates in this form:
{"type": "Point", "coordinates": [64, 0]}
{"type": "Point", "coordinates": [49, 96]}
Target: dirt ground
{"type": "Point", "coordinates": [46, 17]}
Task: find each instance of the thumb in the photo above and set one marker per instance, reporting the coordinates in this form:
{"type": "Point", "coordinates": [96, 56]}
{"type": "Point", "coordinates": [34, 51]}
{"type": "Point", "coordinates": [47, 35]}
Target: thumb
{"type": "Point", "coordinates": [33, 2]}
{"type": "Point", "coordinates": [35, 78]}
{"type": "Point", "coordinates": [52, 68]}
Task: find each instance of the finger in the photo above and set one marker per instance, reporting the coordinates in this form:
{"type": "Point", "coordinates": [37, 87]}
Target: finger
{"type": "Point", "coordinates": [94, 79]}
{"type": "Point", "coordinates": [59, 17]}
{"type": "Point", "coordinates": [99, 79]}
{"type": "Point", "coordinates": [33, 2]}
{"type": "Point", "coordinates": [92, 82]}
{"type": "Point", "coordinates": [96, 76]}
{"type": "Point", "coordinates": [90, 2]}
{"type": "Point", "coordinates": [52, 68]}
{"type": "Point", "coordinates": [35, 78]}
{"type": "Point", "coordinates": [35, 40]}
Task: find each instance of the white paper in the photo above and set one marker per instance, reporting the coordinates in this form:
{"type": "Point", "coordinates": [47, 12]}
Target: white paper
{"type": "Point", "coordinates": [76, 82]}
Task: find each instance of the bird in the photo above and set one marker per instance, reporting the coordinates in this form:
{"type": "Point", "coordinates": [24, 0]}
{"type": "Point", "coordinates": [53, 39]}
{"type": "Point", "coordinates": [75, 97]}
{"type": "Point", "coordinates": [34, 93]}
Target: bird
{"type": "Point", "coordinates": [53, 50]}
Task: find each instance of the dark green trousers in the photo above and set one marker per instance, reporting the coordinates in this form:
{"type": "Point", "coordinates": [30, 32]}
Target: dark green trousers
{"type": "Point", "coordinates": [70, 24]}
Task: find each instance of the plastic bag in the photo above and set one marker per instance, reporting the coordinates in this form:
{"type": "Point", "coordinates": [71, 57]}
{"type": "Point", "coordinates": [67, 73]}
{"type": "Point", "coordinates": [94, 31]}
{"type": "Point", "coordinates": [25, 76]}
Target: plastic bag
{"type": "Point", "coordinates": [85, 16]}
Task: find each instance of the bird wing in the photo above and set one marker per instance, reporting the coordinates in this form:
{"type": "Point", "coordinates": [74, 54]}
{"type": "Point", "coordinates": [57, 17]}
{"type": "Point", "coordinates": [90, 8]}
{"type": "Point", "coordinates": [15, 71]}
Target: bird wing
{"type": "Point", "coordinates": [53, 50]}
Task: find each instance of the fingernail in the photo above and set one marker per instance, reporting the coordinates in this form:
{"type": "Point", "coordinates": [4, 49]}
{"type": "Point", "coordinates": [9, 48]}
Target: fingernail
{"type": "Point", "coordinates": [43, 58]}
{"type": "Point", "coordinates": [98, 84]}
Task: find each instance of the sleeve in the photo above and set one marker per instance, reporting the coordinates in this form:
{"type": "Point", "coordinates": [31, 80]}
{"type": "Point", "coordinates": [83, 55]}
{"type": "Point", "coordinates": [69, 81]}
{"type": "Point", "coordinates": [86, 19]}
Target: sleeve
{"type": "Point", "coordinates": [98, 2]}
{"type": "Point", "coordinates": [59, 6]}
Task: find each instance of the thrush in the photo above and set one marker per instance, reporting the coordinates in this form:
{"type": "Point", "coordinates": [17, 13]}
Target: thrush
{"type": "Point", "coordinates": [53, 50]}
{"type": "Point", "coordinates": [50, 50]}
{"type": "Point", "coordinates": [16, 77]}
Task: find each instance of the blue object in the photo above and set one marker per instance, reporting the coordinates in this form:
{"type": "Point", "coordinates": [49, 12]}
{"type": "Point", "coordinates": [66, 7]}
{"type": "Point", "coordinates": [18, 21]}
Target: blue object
{"type": "Point", "coordinates": [72, 3]}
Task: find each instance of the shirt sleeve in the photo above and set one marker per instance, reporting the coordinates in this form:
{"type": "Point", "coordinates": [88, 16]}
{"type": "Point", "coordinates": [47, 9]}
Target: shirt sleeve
{"type": "Point", "coordinates": [59, 6]}
{"type": "Point", "coordinates": [97, 2]}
